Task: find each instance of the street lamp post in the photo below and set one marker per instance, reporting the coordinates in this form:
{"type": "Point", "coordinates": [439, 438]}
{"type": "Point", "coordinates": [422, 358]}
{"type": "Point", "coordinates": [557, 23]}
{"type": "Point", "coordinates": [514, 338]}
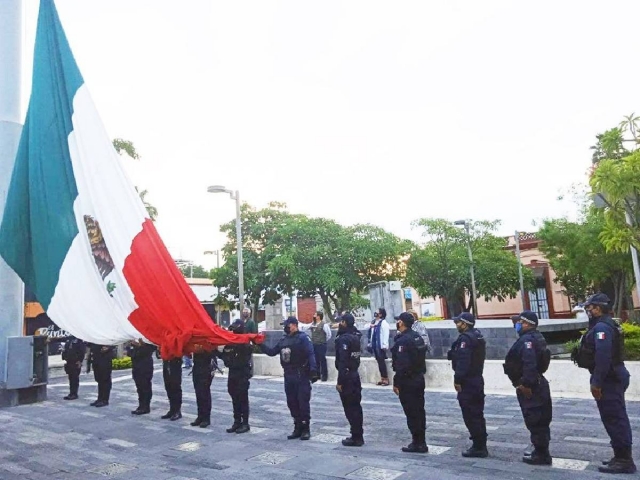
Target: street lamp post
{"type": "Point", "coordinates": [465, 223]}
{"type": "Point", "coordinates": [217, 254]}
{"type": "Point", "coordinates": [517, 240]}
{"type": "Point", "coordinates": [235, 196]}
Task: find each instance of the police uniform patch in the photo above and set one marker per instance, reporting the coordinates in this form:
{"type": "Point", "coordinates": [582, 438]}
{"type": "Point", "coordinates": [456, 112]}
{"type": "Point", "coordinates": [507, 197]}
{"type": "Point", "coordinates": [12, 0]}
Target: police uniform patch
{"type": "Point", "coordinates": [344, 346]}
{"type": "Point", "coordinates": [463, 344]}
{"type": "Point", "coordinates": [528, 345]}
{"type": "Point", "coordinates": [400, 349]}
{"type": "Point", "coordinates": [600, 335]}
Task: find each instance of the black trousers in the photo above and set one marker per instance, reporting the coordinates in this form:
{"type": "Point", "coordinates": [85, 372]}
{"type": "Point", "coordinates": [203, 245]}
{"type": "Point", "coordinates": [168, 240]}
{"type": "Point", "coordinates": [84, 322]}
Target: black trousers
{"type": "Point", "coordinates": [72, 369]}
{"type": "Point", "coordinates": [297, 387]}
{"type": "Point", "coordinates": [202, 386]}
{"type": "Point", "coordinates": [412, 400]}
{"type": "Point", "coordinates": [381, 358]}
{"type": "Point", "coordinates": [471, 401]}
{"type": "Point", "coordinates": [351, 398]}
{"type": "Point", "coordinates": [613, 409]}
{"type": "Point", "coordinates": [238, 388]}
{"type": "Point", "coordinates": [172, 376]}
{"type": "Point", "coordinates": [537, 413]}
{"type": "Point", "coordinates": [320, 352]}
{"type": "Point", "coordinates": [143, 377]}
{"type": "Point", "coordinates": [102, 369]}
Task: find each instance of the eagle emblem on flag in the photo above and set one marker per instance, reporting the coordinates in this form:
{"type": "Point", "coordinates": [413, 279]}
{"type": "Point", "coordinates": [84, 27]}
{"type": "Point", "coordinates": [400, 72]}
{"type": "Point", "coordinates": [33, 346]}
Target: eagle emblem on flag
{"type": "Point", "coordinates": [99, 250]}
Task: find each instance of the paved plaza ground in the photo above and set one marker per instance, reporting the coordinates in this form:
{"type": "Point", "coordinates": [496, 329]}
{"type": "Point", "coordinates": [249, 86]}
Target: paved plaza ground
{"type": "Point", "coordinates": [73, 441]}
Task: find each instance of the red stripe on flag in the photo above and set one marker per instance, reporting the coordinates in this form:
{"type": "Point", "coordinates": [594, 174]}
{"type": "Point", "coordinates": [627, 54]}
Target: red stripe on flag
{"type": "Point", "coordinates": [169, 313]}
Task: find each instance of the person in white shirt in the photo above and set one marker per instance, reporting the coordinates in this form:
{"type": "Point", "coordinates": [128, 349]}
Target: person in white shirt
{"type": "Point", "coordinates": [379, 343]}
{"type": "Point", "coordinates": [320, 333]}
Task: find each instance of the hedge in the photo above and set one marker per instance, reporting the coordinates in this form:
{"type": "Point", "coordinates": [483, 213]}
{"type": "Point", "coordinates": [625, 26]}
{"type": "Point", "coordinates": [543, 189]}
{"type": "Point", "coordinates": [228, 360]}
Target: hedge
{"type": "Point", "coordinates": [631, 341]}
{"type": "Point", "coordinates": [121, 363]}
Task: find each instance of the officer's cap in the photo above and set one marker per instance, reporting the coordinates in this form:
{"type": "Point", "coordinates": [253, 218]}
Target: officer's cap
{"type": "Point", "coordinates": [598, 299]}
{"type": "Point", "coordinates": [526, 316]}
{"type": "Point", "coordinates": [237, 326]}
{"type": "Point", "coordinates": [465, 317]}
{"type": "Point", "coordinates": [290, 321]}
{"type": "Point", "coordinates": [348, 319]}
{"type": "Point", "coordinates": [406, 318]}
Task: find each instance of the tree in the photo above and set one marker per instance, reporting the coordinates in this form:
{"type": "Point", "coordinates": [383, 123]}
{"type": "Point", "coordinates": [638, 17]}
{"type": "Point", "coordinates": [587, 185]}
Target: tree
{"type": "Point", "coordinates": [581, 262]}
{"type": "Point", "coordinates": [440, 267]}
{"type": "Point", "coordinates": [317, 256]}
{"type": "Point", "coordinates": [258, 228]}
{"type": "Point", "coordinates": [126, 146]}
{"type": "Point", "coordinates": [194, 271]}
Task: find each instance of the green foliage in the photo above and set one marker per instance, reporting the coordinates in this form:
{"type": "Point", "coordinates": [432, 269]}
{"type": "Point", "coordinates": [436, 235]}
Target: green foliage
{"type": "Point", "coordinates": [121, 363]}
{"type": "Point", "coordinates": [125, 146]}
{"type": "Point", "coordinates": [441, 266]}
{"type": "Point", "coordinates": [631, 342]}
{"type": "Point", "coordinates": [432, 318]}
{"type": "Point", "coordinates": [195, 271]}
{"type": "Point", "coordinates": [580, 260]}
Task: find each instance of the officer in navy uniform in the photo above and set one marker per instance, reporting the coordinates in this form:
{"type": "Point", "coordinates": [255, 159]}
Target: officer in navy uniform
{"type": "Point", "coordinates": [73, 354]}
{"type": "Point", "coordinates": [202, 373]}
{"type": "Point", "coordinates": [602, 352]}
{"type": "Point", "coordinates": [141, 354]}
{"type": "Point", "coordinates": [525, 365]}
{"type": "Point", "coordinates": [100, 358]}
{"type": "Point", "coordinates": [467, 354]}
{"type": "Point", "coordinates": [172, 376]}
{"type": "Point", "coordinates": [299, 364]}
{"type": "Point", "coordinates": [348, 385]}
{"type": "Point", "coordinates": [408, 363]}
{"type": "Point", "coordinates": [239, 360]}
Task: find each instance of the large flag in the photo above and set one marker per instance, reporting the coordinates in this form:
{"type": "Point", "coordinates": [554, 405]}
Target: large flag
{"type": "Point", "coordinates": [74, 228]}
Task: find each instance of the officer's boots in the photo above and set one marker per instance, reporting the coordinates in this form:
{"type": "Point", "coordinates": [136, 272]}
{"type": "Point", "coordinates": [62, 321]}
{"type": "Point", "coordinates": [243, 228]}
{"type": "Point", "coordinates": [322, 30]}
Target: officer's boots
{"type": "Point", "coordinates": [622, 462]}
{"type": "Point", "coordinates": [167, 415]}
{"type": "Point", "coordinates": [305, 434]}
{"type": "Point", "coordinates": [235, 426]}
{"type": "Point", "coordinates": [539, 456]}
{"type": "Point", "coordinates": [477, 450]}
{"type": "Point", "coordinates": [297, 431]}
{"type": "Point", "coordinates": [353, 441]}
{"type": "Point", "coordinates": [418, 445]}
{"type": "Point", "coordinates": [244, 425]}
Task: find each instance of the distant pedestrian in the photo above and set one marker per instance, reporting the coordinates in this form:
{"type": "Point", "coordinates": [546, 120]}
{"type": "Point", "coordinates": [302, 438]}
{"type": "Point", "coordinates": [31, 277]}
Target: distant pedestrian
{"type": "Point", "coordinates": [320, 335]}
{"type": "Point", "coordinates": [379, 343]}
{"type": "Point", "coordinates": [249, 324]}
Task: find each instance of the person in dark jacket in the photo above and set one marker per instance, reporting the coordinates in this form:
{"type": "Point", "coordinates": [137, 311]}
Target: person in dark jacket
{"type": "Point", "coordinates": [100, 358]}
{"type": "Point", "coordinates": [348, 385]}
{"type": "Point", "coordinates": [467, 355]}
{"type": "Point", "coordinates": [238, 358]}
{"type": "Point", "coordinates": [603, 346]}
{"type": "Point", "coordinates": [525, 365]}
{"type": "Point", "coordinates": [408, 363]}
{"type": "Point", "coordinates": [73, 354]}
{"type": "Point", "coordinates": [141, 354]}
{"type": "Point", "coordinates": [172, 376]}
{"type": "Point", "coordinates": [202, 374]}
{"type": "Point", "coordinates": [299, 364]}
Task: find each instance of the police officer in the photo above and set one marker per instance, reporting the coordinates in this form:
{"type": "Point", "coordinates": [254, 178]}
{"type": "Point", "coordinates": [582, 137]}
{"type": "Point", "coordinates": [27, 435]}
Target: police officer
{"type": "Point", "coordinates": [408, 363]}
{"type": "Point", "coordinates": [73, 354]}
{"type": "Point", "coordinates": [347, 364]}
{"type": "Point", "coordinates": [100, 357]}
{"type": "Point", "coordinates": [467, 355]}
{"type": "Point", "coordinates": [141, 354]}
{"type": "Point", "coordinates": [202, 374]}
{"type": "Point", "coordinates": [602, 352]}
{"type": "Point", "coordinates": [239, 359]}
{"type": "Point", "coordinates": [525, 365]}
{"type": "Point", "coordinates": [299, 364]}
{"type": "Point", "coordinates": [172, 376]}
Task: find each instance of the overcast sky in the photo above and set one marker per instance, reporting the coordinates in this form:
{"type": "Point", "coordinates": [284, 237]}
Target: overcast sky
{"type": "Point", "coordinates": [361, 111]}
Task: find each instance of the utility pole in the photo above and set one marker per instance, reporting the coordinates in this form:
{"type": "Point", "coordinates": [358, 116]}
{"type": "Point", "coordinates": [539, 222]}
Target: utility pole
{"type": "Point", "coordinates": [517, 238]}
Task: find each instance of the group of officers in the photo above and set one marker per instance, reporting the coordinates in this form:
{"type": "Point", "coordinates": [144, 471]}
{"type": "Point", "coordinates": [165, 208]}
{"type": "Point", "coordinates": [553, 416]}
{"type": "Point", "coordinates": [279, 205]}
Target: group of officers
{"type": "Point", "coordinates": [601, 351]}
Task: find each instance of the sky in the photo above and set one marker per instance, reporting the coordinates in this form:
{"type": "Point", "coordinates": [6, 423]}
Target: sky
{"type": "Point", "coordinates": [361, 111]}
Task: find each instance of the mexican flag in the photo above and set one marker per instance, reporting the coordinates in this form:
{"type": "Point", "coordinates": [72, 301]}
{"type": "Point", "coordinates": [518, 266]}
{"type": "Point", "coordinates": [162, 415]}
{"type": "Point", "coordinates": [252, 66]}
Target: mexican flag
{"type": "Point", "coordinates": [74, 228]}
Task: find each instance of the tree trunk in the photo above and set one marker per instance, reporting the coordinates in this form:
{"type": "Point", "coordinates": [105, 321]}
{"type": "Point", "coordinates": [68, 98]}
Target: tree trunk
{"type": "Point", "coordinates": [326, 305]}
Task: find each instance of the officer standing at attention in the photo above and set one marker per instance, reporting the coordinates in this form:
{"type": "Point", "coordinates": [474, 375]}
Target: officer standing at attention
{"type": "Point", "coordinates": [73, 354]}
{"type": "Point", "coordinates": [602, 352]}
{"type": "Point", "coordinates": [100, 357]}
{"type": "Point", "coordinates": [349, 387]}
{"type": "Point", "coordinates": [202, 374]}
{"type": "Point", "coordinates": [141, 354]}
{"type": "Point", "coordinates": [299, 365]}
{"type": "Point", "coordinates": [525, 365]}
{"type": "Point", "coordinates": [239, 359]}
{"type": "Point", "coordinates": [172, 376]}
{"type": "Point", "coordinates": [467, 355]}
{"type": "Point", "coordinates": [408, 363]}
{"type": "Point", "coordinates": [320, 335]}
